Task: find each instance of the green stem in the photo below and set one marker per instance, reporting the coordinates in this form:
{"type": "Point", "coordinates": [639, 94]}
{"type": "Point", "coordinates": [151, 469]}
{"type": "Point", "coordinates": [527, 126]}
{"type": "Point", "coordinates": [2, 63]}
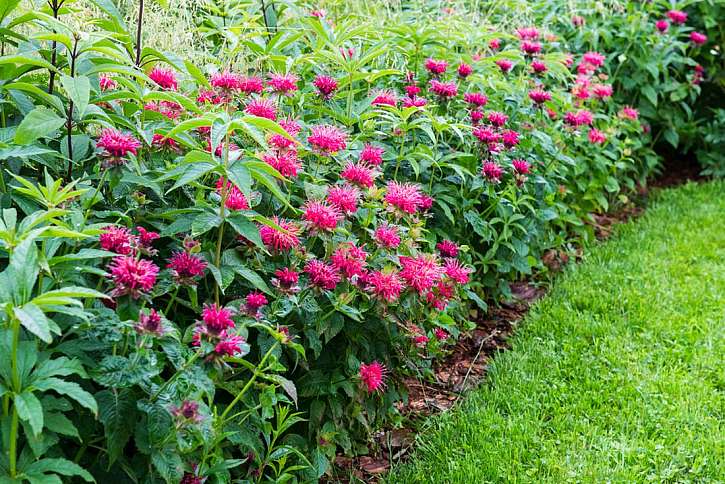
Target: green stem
{"type": "Point", "coordinates": [239, 396]}
{"type": "Point", "coordinates": [95, 194]}
{"type": "Point", "coordinates": [171, 301]}
{"type": "Point", "coordinates": [15, 376]}
{"type": "Point", "coordinates": [222, 215]}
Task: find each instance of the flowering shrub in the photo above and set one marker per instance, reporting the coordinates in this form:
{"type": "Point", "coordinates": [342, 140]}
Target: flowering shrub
{"type": "Point", "coordinates": [297, 235]}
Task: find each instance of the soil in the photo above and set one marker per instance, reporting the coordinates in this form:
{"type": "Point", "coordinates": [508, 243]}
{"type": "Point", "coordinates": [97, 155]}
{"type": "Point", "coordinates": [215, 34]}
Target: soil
{"type": "Point", "coordinates": [465, 367]}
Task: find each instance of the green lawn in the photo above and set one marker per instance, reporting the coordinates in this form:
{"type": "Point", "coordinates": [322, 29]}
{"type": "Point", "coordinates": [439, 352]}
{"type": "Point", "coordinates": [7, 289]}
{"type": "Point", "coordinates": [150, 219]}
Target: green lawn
{"type": "Point", "coordinates": [616, 376]}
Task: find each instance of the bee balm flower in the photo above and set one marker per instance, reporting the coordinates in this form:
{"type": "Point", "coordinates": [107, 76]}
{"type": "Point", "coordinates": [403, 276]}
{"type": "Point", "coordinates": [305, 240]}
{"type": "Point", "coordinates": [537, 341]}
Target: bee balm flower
{"type": "Point", "coordinates": [277, 240]}
{"type": "Point", "coordinates": [132, 276]}
{"type": "Point", "coordinates": [327, 139]}
{"type": "Point", "coordinates": [165, 78]}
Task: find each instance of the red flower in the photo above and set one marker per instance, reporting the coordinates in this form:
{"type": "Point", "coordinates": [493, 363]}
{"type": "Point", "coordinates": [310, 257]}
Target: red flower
{"type": "Point", "coordinates": [385, 97]}
{"type": "Point", "coordinates": [404, 196]}
{"type": "Point", "coordinates": [321, 216]}
{"type": "Point", "coordinates": [492, 172]}
{"type": "Point", "coordinates": [229, 345]}
{"type": "Point", "coordinates": [477, 99]}
{"type": "Point", "coordinates": [216, 319]}
{"type": "Point", "coordinates": [345, 197]}
{"type": "Point", "coordinates": [443, 89]}
{"type": "Point", "coordinates": [530, 47]}
{"type": "Point", "coordinates": [476, 117]}
{"type": "Point", "coordinates": [677, 16]}
{"type": "Point", "coordinates": [349, 260]}
{"type": "Point", "coordinates": [629, 112]}
{"type": "Point", "coordinates": [322, 275]}
{"type": "Point", "coordinates": [150, 324]}
{"type": "Point", "coordinates": [603, 91]}
{"type": "Point", "coordinates": [539, 96]}
{"type": "Point", "coordinates": [326, 85]}
{"type": "Point", "coordinates": [132, 276]}
{"type": "Point", "coordinates": [250, 85]}
{"type": "Point", "coordinates": [189, 412]}
{"type": "Point", "coordinates": [447, 248]}
{"type": "Point", "coordinates": [412, 90]}
{"type": "Point", "coordinates": [436, 67]}
{"type": "Point", "coordinates": [327, 139]}
{"type": "Point", "coordinates": [420, 340]}
{"type": "Point", "coordinates": [510, 138]}
{"type": "Point", "coordinates": [421, 272]}
{"type": "Point", "coordinates": [387, 236]}
{"type": "Point", "coordinates": [662, 26]}
{"type": "Point", "coordinates": [456, 272]}
{"type": "Point", "coordinates": [372, 155]}
{"type": "Point", "coordinates": [440, 334]}
{"type": "Point", "coordinates": [538, 66]}
{"type": "Point", "coordinates": [165, 78]}
{"type": "Point", "coordinates": [373, 376]}
{"type": "Point", "coordinates": [521, 167]}
{"type": "Point", "coordinates": [577, 21]}
{"type": "Point", "coordinates": [359, 174]}
{"type": "Point", "coordinates": [208, 96]}
{"type": "Point", "coordinates": [264, 108]}
{"type": "Point", "coordinates": [486, 134]}
{"type": "Point", "coordinates": [596, 136]}
{"type": "Point", "coordinates": [287, 163]}
{"type": "Point", "coordinates": [417, 102]}
{"type": "Point", "coordinates": [464, 70]}
{"type": "Point", "coordinates": [496, 118]}
{"type": "Point", "coordinates": [106, 82]}
{"type": "Point", "coordinates": [279, 241]}
{"type": "Point", "coordinates": [582, 117]}
{"type": "Point", "coordinates": [527, 33]}
{"type": "Point", "coordinates": [160, 141]}
{"type": "Point", "coordinates": [282, 83]}
{"type": "Point", "coordinates": [594, 59]}
{"type": "Point", "coordinates": [235, 198]}
{"type": "Point", "coordinates": [254, 301]}
{"type": "Point", "coordinates": [186, 267]}
{"type": "Point", "coordinates": [698, 38]}
{"type": "Point", "coordinates": [286, 278]}
{"type": "Point", "coordinates": [117, 239]}
{"type": "Point", "coordinates": [117, 145]}
{"type": "Point", "coordinates": [494, 44]}
{"type": "Point", "coordinates": [385, 285]}
{"type": "Point", "coordinates": [226, 81]}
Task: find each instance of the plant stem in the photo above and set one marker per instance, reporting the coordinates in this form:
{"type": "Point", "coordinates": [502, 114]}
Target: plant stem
{"type": "Point", "coordinates": [139, 24]}
{"type": "Point", "coordinates": [222, 214]}
{"type": "Point", "coordinates": [15, 376]}
{"type": "Point", "coordinates": [239, 396]}
{"type": "Point", "coordinates": [171, 301]}
{"type": "Point", "coordinates": [95, 194]}
{"type": "Point", "coordinates": [69, 122]}
{"type": "Point", "coordinates": [54, 49]}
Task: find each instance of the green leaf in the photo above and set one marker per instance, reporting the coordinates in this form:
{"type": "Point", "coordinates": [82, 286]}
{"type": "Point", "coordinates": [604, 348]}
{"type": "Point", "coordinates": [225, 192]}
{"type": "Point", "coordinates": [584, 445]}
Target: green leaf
{"type": "Point", "coordinates": [612, 185]}
{"type": "Point", "coordinates": [169, 465]}
{"type": "Point", "coordinates": [30, 410]}
{"type": "Point", "coordinates": [204, 222]}
{"type": "Point", "coordinates": [69, 389]}
{"type": "Point", "coordinates": [253, 277]}
{"type": "Point", "coordinates": [60, 424]}
{"type": "Point", "coordinates": [34, 320]}
{"type": "Point", "coordinates": [239, 174]}
{"type": "Point", "coordinates": [672, 137]}
{"type": "Point", "coordinates": [78, 90]}
{"type": "Point", "coordinates": [246, 229]}
{"type": "Point", "coordinates": [6, 7]}
{"type": "Point", "coordinates": [649, 92]}
{"type": "Point", "coordinates": [39, 122]}
{"type": "Point", "coordinates": [60, 466]}
{"type": "Point", "coordinates": [116, 409]}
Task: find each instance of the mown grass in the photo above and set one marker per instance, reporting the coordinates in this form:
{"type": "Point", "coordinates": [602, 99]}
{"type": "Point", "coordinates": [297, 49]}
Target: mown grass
{"type": "Point", "coordinates": [616, 376]}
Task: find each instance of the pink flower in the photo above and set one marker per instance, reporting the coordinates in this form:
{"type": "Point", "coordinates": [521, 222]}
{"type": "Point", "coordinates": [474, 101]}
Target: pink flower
{"type": "Point", "coordinates": [373, 376]}
{"type": "Point", "coordinates": [577, 21]}
{"type": "Point", "coordinates": [235, 198]}
{"type": "Point", "coordinates": [436, 67]}
{"type": "Point", "coordinates": [189, 412]}
{"type": "Point", "coordinates": [629, 112]}
{"type": "Point", "coordinates": [440, 334]}
{"type": "Point", "coordinates": [359, 174]}
{"type": "Point", "coordinates": [277, 240]}
{"type": "Point", "coordinates": [322, 275]}
{"type": "Point", "coordinates": [476, 117]}
{"type": "Point", "coordinates": [117, 239]}
{"type": "Point", "coordinates": [527, 33]}
{"type": "Point", "coordinates": [287, 163]}
{"type": "Point", "coordinates": [385, 285]}
{"type": "Point", "coordinates": [412, 90]}
{"type": "Point", "coordinates": [229, 345]}
{"type": "Point", "coordinates": [494, 44]}
{"type": "Point", "coordinates": [226, 81]}
{"type": "Point", "coordinates": [594, 59]}
{"type": "Point", "coordinates": [582, 117]}
{"type": "Point", "coordinates": [150, 324]}
{"type": "Point", "coordinates": [208, 96]}
{"type": "Point", "coordinates": [443, 89]}
{"type": "Point", "coordinates": [286, 278]}
{"type": "Point", "coordinates": [349, 260]}
{"type": "Point", "coordinates": [420, 340]}
{"type": "Point", "coordinates": [603, 91]}
{"type": "Point", "coordinates": [292, 127]}
{"type": "Point", "coordinates": [417, 102]}
{"type": "Point", "coordinates": [146, 238]}
{"type": "Point", "coordinates": [282, 83]}
{"type": "Point", "coordinates": [326, 85]}
{"type": "Point", "coordinates": [254, 301]}
{"type": "Point", "coordinates": [421, 272]}
{"type": "Point", "coordinates": [677, 17]}
{"type": "Point", "coordinates": [403, 196]}
{"type": "Point", "coordinates": [132, 276]}
{"type": "Point", "coordinates": [106, 82]}
{"type": "Point", "coordinates": [539, 96]}
{"type": "Point", "coordinates": [698, 38]}
{"type": "Point", "coordinates": [496, 118]}
{"type": "Point", "coordinates": [165, 78]}
{"type": "Point", "coordinates": [385, 97]}
{"type": "Point", "coordinates": [510, 138]}
{"type": "Point", "coordinates": [662, 26]}
{"type": "Point", "coordinates": [455, 271]}
{"type": "Point", "coordinates": [596, 136]}
{"type": "Point", "coordinates": [117, 145]}
{"type": "Point", "coordinates": [447, 248]}
{"type": "Point", "coordinates": [318, 13]}
{"type": "Point", "coordinates": [387, 236]}
{"type": "Point", "coordinates": [521, 167]}
{"type": "Point", "coordinates": [250, 84]}
{"type": "Point", "coordinates": [464, 70]}
{"type": "Point", "coordinates": [161, 142]}
{"type": "Point", "coordinates": [327, 139]}
{"type": "Point", "coordinates": [477, 99]}
{"type": "Point", "coordinates": [492, 172]}
{"type": "Point", "coordinates": [344, 197]}
{"type": "Point", "coordinates": [216, 319]}
{"type": "Point", "coordinates": [530, 47]}
{"type": "Point", "coordinates": [538, 67]}
{"type": "Point", "coordinates": [372, 155]}
{"type": "Point", "coordinates": [264, 108]}
{"type": "Point", "coordinates": [486, 134]}
{"type": "Point", "coordinates": [186, 267]}
{"type": "Point", "coordinates": [321, 216]}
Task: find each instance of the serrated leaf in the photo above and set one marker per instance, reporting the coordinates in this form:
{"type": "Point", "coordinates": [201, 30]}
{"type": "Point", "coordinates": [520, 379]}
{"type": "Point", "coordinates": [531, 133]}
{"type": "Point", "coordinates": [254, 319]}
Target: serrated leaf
{"type": "Point", "coordinates": [39, 122]}
{"type": "Point", "coordinates": [35, 321]}
{"type": "Point", "coordinates": [246, 229]}
{"type": "Point", "coordinates": [70, 389]}
{"type": "Point", "coordinates": [30, 410]}
{"type": "Point", "coordinates": [60, 466]}
{"type": "Point", "coordinates": [116, 409]}
{"type": "Point", "coordinates": [78, 90]}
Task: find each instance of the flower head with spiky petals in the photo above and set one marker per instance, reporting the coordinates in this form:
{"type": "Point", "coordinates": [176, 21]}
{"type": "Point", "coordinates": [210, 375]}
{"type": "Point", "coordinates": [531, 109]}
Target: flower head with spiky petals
{"type": "Point", "coordinates": [277, 240]}
{"type": "Point", "coordinates": [345, 197]}
{"type": "Point", "coordinates": [447, 248]}
{"type": "Point", "coordinates": [387, 236]}
{"type": "Point", "coordinates": [421, 272]}
{"type": "Point", "coordinates": [327, 139]}
{"type": "Point", "coordinates": [282, 83]}
{"type": "Point", "coordinates": [436, 67]}
{"type": "Point", "coordinates": [372, 376]}
{"type": "Point", "coordinates": [131, 276]}
{"type": "Point", "coordinates": [262, 107]}
{"type": "Point", "coordinates": [406, 197]}
{"type": "Point", "coordinates": [372, 155]}
{"type": "Point", "coordinates": [216, 319]}
{"type": "Point", "coordinates": [324, 276]}
{"type": "Point", "coordinates": [359, 174]}
{"type": "Point", "coordinates": [186, 267]}
{"type": "Point", "coordinates": [164, 78]}
{"type": "Point", "coordinates": [325, 85]}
